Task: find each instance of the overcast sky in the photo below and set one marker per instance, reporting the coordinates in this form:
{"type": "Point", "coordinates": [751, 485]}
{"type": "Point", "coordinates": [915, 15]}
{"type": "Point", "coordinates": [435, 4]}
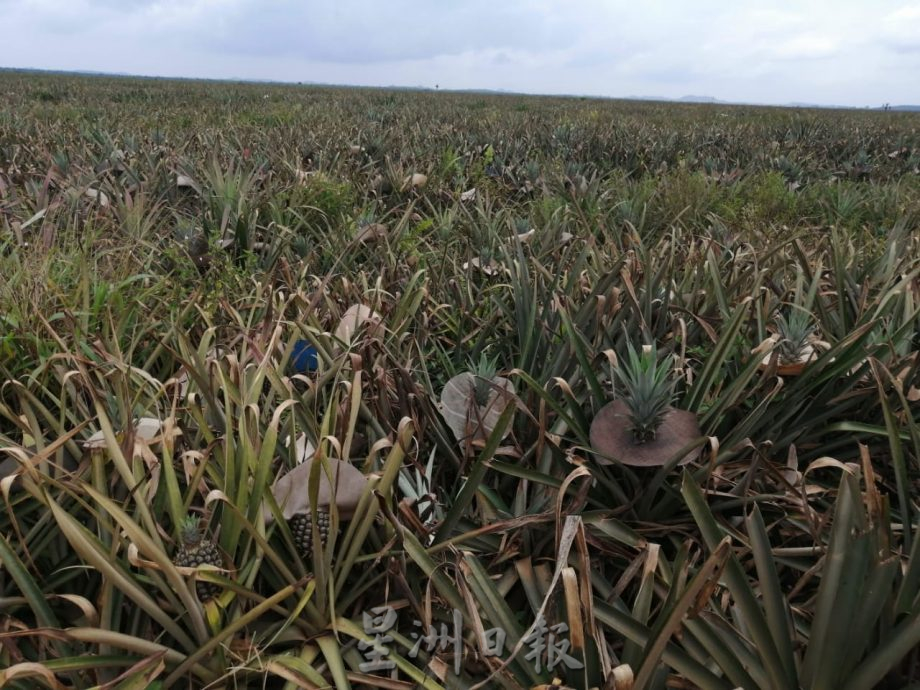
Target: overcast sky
{"type": "Point", "coordinates": [847, 52]}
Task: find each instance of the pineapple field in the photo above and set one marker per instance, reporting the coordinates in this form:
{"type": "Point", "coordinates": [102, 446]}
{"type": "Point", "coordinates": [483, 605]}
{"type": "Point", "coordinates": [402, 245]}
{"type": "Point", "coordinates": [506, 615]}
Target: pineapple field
{"type": "Point", "coordinates": [315, 387]}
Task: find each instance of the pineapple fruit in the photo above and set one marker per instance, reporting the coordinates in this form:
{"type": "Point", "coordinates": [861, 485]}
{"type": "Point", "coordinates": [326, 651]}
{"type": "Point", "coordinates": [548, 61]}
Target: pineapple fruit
{"type": "Point", "coordinates": [302, 532]}
{"type": "Point", "coordinates": [198, 550]}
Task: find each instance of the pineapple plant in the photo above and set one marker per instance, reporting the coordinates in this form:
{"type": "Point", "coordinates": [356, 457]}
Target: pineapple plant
{"type": "Point", "coordinates": [795, 333]}
{"type": "Point", "coordinates": [642, 428]}
{"type": "Point", "coordinates": [196, 550]}
{"type": "Point", "coordinates": [795, 341]}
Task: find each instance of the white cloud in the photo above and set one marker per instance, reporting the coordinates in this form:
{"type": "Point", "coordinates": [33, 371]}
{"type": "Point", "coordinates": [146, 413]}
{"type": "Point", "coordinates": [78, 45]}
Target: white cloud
{"type": "Point", "coordinates": [902, 28]}
{"type": "Point", "coordinates": [806, 46]}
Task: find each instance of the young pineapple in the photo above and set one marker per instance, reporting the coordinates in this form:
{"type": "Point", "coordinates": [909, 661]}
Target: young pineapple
{"type": "Point", "coordinates": [641, 428]}
{"type": "Point", "coordinates": [302, 531]}
{"type": "Point", "coordinates": [197, 550]}
{"type": "Point", "coordinates": [483, 384]}
{"type": "Point", "coordinates": [795, 332]}
{"type": "Point", "coordinates": [649, 391]}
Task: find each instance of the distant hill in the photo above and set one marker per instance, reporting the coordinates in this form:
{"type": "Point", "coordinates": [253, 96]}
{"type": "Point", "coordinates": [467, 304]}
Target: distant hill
{"type": "Point", "coordinates": [906, 108]}
{"type": "Point", "coordinates": [718, 101]}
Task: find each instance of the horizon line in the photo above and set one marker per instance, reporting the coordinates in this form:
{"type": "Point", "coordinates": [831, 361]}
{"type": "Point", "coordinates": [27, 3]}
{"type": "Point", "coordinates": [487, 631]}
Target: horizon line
{"type": "Point", "coordinates": [688, 99]}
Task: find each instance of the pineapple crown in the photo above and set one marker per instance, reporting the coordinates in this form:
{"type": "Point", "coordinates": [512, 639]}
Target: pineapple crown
{"type": "Point", "coordinates": [797, 325]}
{"type": "Point", "coordinates": [189, 530]}
{"type": "Point", "coordinates": [532, 169]}
{"type": "Point", "coordinates": [648, 390]}
{"type": "Point", "coordinates": [794, 330]}
{"type": "Point", "coordinates": [483, 371]}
